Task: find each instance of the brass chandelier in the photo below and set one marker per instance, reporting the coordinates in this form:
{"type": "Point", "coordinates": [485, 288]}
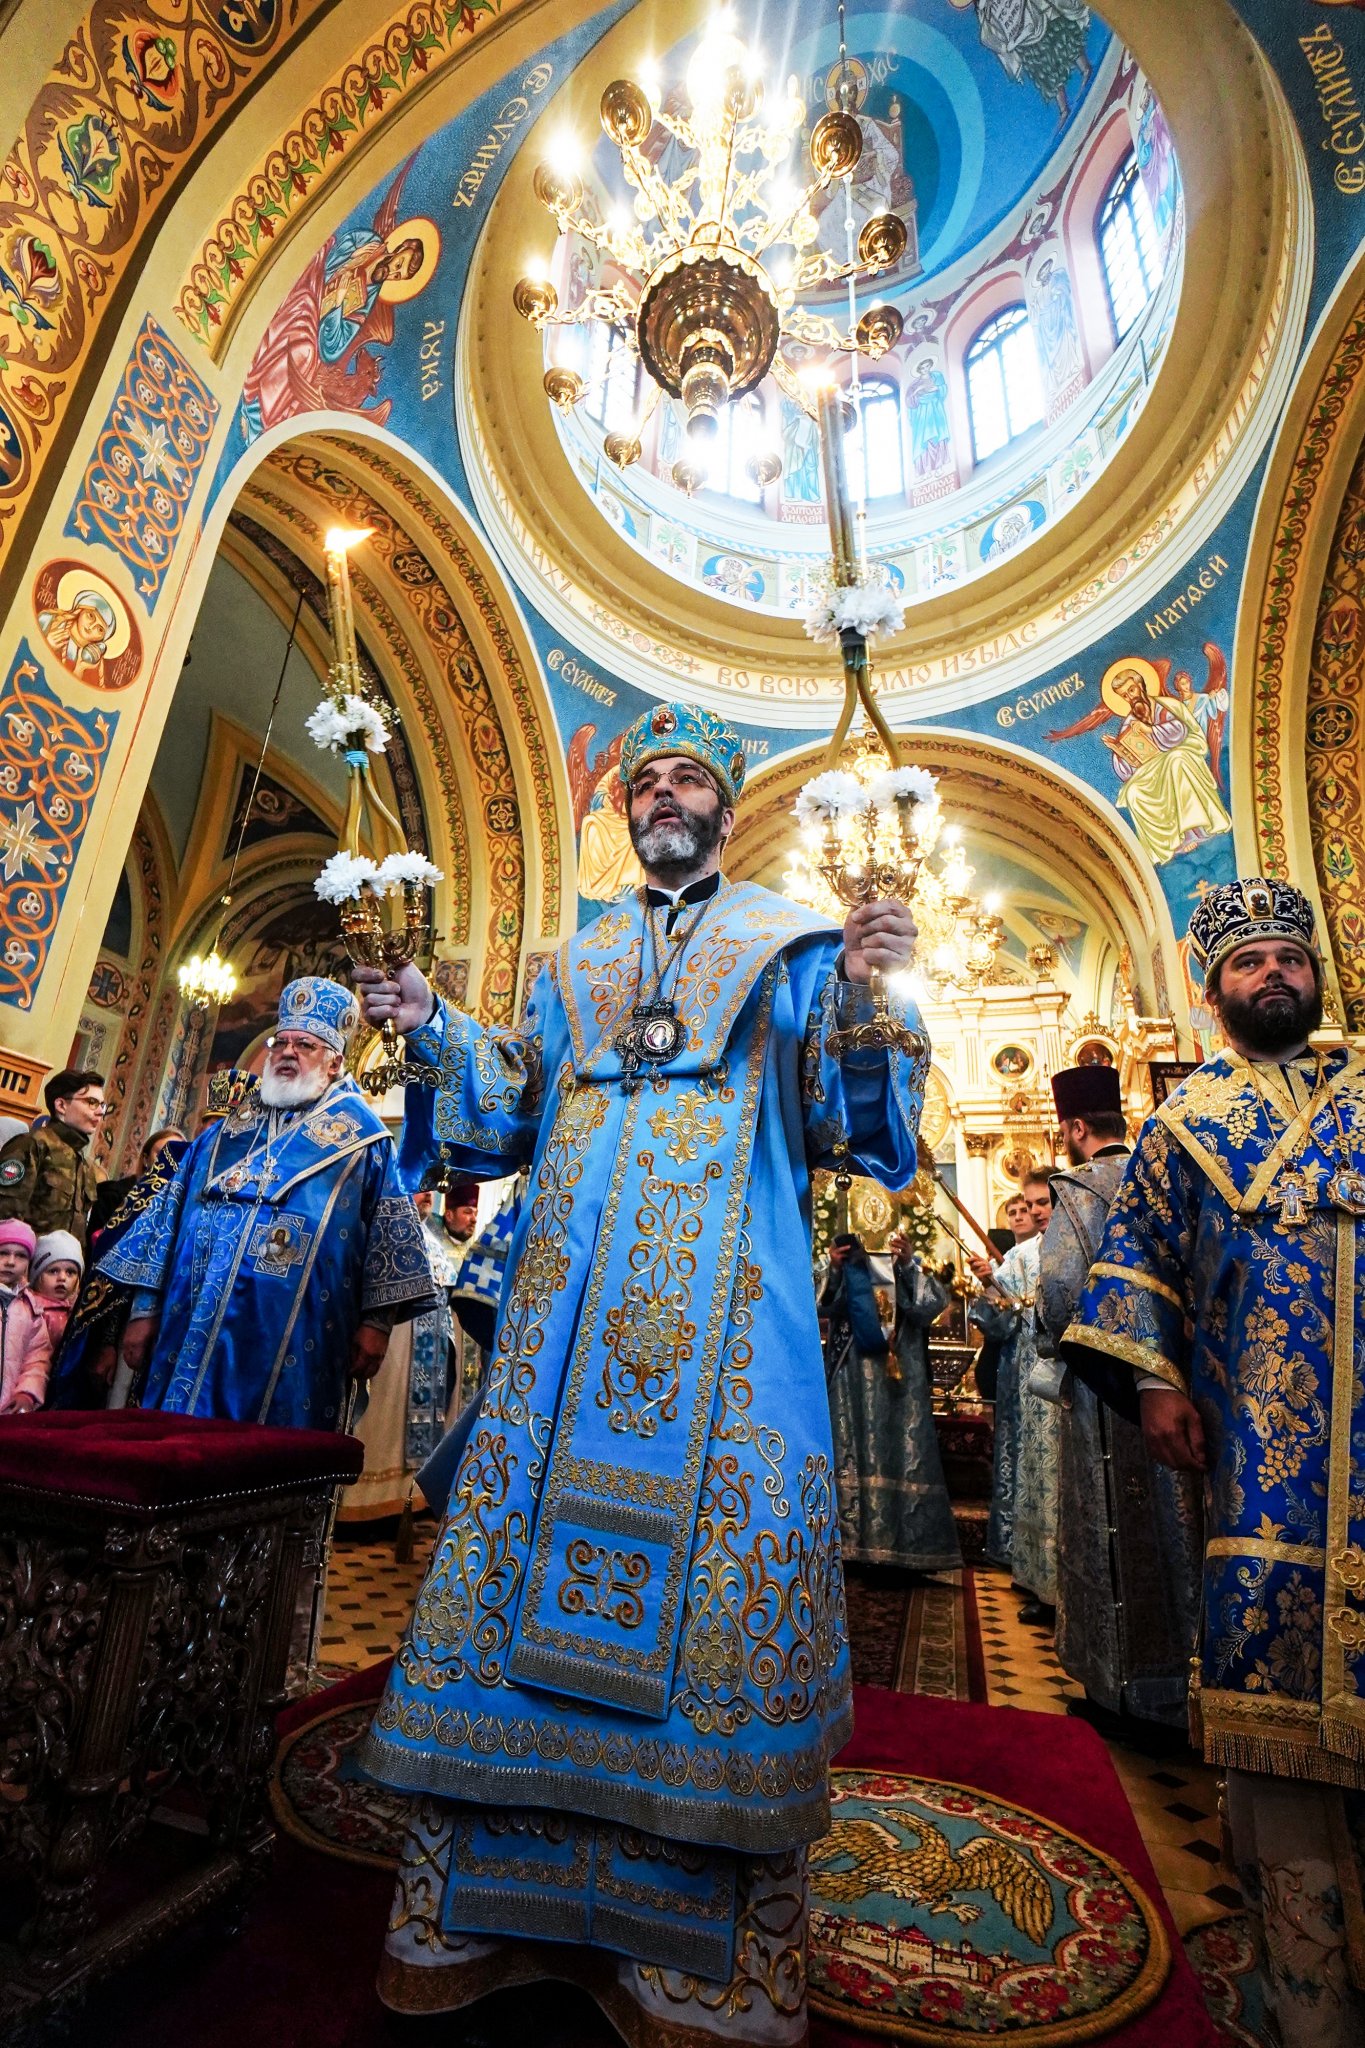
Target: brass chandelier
{"type": "Point", "coordinates": [708, 270]}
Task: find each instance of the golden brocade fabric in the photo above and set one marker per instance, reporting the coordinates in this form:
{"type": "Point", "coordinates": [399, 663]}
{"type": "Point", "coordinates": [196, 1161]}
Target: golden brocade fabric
{"type": "Point", "coordinates": [634, 1616]}
{"type": "Point", "coordinates": [1228, 1269]}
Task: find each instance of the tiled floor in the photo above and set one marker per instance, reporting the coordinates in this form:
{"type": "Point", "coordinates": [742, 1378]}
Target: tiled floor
{"type": "Point", "coordinates": [1175, 1800]}
{"type": "Point", "coordinates": [370, 1596]}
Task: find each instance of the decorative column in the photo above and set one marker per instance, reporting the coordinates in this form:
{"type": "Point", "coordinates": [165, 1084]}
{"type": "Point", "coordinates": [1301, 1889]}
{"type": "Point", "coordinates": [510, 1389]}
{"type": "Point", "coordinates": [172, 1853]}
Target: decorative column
{"type": "Point", "coordinates": [975, 1175]}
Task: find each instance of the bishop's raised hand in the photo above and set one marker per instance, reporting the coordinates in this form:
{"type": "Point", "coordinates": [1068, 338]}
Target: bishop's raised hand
{"type": "Point", "coordinates": [407, 1000]}
{"type": "Point", "coordinates": [878, 935]}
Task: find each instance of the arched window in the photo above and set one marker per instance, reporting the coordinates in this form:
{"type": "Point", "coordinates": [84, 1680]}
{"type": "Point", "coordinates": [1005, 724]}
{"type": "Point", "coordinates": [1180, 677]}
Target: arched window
{"type": "Point", "coordinates": [739, 437]}
{"type": "Point", "coordinates": [873, 446]}
{"type": "Point", "coordinates": [1130, 248]}
{"type": "Point", "coordinates": [613, 379]}
{"type": "Point", "coordinates": [1004, 389]}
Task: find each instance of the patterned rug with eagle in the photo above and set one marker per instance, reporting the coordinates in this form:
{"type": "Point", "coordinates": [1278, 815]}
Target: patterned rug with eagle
{"type": "Point", "coordinates": [944, 1909]}
{"type": "Point", "coordinates": [940, 1912]}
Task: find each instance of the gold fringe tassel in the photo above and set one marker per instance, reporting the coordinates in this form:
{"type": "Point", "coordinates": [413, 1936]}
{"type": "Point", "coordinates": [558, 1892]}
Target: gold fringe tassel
{"type": "Point", "coordinates": [1344, 1738]}
{"type": "Point", "coordinates": [1276, 1756]}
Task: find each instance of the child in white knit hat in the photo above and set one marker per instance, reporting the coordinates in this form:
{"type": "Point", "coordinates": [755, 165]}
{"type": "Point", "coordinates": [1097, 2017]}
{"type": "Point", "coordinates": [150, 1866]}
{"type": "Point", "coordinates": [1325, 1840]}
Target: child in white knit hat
{"type": "Point", "coordinates": [55, 1277]}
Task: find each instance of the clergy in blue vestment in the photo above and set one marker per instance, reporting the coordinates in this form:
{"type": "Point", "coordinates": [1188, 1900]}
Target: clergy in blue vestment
{"type": "Point", "coordinates": [271, 1270]}
{"type": "Point", "coordinates": [1224, 1311]}
{"type": "Point", "coordinates": [628, 1667]}
{"type": "Point", "coordinates": [997, 1314]}
{"type": "Point", "coordinates": [888, 1472]}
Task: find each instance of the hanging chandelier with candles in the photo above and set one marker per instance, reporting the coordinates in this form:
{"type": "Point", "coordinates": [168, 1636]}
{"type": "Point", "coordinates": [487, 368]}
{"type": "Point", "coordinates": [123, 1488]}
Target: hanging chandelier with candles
{"type": "Point", "coordinates": [709, 268]}
{"type": "Point", "coordinates": [206, 979]}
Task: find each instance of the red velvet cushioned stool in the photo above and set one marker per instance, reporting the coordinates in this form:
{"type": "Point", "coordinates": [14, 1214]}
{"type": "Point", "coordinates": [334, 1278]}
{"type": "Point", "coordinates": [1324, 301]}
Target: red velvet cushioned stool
{"type": "Point", "coordinates": [149, 1566]}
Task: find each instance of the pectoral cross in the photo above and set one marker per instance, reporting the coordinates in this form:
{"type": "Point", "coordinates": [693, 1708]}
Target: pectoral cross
{"type": "Point", "coordinates": [1293, 1203]}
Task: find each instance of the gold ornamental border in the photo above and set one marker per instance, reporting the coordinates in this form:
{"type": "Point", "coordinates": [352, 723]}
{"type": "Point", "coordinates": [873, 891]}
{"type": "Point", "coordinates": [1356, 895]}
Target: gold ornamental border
{"type": "Point", "coordinates": [414, 49]}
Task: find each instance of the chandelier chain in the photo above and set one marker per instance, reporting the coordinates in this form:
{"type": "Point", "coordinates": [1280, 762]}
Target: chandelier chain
{"type": "Point", "coordinates": [265, 748]}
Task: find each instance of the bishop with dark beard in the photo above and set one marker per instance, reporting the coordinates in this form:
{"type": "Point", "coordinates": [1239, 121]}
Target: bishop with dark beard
{"type": "Point", "coordinates": [1224, 1312]}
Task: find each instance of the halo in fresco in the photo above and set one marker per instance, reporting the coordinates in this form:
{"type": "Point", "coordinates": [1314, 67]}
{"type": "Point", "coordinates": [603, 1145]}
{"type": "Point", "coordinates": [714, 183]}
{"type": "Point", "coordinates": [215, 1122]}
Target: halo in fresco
{"type": "Point", "coordinates": [424, 237]}
{"type": "Point", "coordinates": [86, 624]}
{"type": "Point", "coordinates": [1128, 664]}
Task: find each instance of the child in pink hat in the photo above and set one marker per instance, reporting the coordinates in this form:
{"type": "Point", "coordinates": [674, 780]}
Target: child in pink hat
{"type": "Point", "coordinates": [25, 1344]}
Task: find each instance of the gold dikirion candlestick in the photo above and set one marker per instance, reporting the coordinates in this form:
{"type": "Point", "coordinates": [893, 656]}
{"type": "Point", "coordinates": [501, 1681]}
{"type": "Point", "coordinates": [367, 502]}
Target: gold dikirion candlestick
{"type": "Point", "coordinates": [383, 927]}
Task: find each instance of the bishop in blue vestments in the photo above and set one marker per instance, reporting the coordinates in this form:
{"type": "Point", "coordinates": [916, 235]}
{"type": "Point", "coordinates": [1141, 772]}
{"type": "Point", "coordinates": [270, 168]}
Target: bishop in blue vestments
{"type": "Point", "coordinates": [628, 1667]}
{"type": "Point", "coordinates": [271, 1269]}
{"type": "Point", "coordinates": [1225, 1302]}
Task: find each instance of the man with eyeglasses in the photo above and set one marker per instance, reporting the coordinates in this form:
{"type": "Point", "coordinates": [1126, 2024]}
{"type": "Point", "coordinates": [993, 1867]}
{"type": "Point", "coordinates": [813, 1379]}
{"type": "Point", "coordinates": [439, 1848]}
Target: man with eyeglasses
{"type": "Point", "coordinates": [47, 1178]}
{"type": "Point", "coordinates": [269, 1272]}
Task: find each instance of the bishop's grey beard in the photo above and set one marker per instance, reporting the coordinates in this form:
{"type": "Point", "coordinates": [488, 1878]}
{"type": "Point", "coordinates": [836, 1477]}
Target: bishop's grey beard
{"type": "Point", "coordinates": [676, 845]}
{"type": "Point", "coordinates": [278, 1091]}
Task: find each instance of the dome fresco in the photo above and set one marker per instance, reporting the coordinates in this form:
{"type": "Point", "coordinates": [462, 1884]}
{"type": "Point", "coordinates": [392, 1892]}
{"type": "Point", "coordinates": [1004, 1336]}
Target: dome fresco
{"type": "Point", "coordinates": [1033, 167]}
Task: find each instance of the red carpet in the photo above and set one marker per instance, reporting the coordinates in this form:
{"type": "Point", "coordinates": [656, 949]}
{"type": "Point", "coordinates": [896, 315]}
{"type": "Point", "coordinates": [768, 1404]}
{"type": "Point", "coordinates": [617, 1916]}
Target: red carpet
{"type": "Point", "coordinates": [1056, 1766]}
{"type": "Point", "coordinates": [301, 1974]}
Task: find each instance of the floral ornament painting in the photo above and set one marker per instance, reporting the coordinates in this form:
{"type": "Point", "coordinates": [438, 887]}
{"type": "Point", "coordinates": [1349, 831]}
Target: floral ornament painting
{"type": "Point", "coordinates": [51, 761]}
{"type": "Point", "coordinates": [90, 155]}
{"type": "Point", "coordinates": [139, 481]}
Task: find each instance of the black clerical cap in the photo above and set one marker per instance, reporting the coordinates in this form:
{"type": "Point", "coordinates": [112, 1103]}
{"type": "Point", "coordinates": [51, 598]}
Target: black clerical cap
{"type": "Point", "coordinates": [1087, 1091]}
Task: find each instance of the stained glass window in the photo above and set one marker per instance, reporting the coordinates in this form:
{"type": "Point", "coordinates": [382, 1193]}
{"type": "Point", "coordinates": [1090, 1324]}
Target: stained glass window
{"type": "Point", "coordinates": [613, 378]}
{"type": "Point", "coordinates": [873, 447]}
{"type": "Point", "coordinates": [739, 437]}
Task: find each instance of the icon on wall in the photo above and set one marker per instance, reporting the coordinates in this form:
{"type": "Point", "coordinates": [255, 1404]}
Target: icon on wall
{"type": "Point", "coordinates": [1012, 1062]}
{"type": "Point", "coordinates": [1167, 751]}
{"type": "Point", "coordinates": [325, 348]}
{"type": "Point", "coordinates": [86, 625]}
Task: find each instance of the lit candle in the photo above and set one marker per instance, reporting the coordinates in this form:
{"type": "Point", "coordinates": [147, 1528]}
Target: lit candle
{"type": "Point", "coordinates": [338, 543]}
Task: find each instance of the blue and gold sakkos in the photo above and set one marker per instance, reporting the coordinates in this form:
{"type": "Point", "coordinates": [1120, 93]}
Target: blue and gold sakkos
{"type": "Point", "coordinates": [1232, 1267]}
{"type": "Point", "coordinates": [632, 1629]}
{"type": "Point", "coordinates": [264, 1254]}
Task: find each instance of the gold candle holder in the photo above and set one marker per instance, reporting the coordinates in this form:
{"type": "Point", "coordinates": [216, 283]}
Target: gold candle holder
{"type": "Point", "coordinates": [868, 873]}
{"type": "Point", "coordinates": [388, 927]}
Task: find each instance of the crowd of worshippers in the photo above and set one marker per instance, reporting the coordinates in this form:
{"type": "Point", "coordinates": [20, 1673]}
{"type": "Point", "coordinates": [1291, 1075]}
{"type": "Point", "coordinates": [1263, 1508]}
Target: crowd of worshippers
{"type": "Point", "coordinates": [131, 1290]}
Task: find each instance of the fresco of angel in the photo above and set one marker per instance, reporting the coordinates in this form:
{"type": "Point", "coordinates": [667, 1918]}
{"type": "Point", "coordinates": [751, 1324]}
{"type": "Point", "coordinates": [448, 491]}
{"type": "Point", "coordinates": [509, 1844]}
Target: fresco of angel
{"type": "Point", "coordinates": [1162, 752]}
{"type": "Point", "coordinates": [320, 352]}
{"type": "Point", "coordinates": [1042, 41]}
{"type": "Point", "coordinates": [607, 866]}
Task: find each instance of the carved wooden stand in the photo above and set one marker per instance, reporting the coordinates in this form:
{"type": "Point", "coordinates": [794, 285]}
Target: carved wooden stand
{"type": "Point", "coordinates": [142, 1660]}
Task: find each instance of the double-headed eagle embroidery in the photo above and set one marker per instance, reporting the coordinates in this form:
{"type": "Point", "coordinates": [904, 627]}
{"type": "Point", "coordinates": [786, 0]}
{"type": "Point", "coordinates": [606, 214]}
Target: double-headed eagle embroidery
{"type": "Point", "coordinates": [931, 1873]}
